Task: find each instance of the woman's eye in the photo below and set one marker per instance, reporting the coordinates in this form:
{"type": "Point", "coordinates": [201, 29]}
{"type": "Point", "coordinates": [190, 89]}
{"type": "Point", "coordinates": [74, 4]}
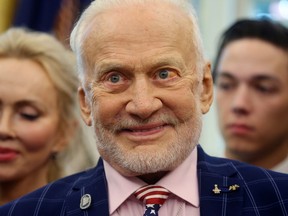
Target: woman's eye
{"type": "Point", "coordinates": [29, 113]}
{"type": "Point", "coordinates": [29, 117]}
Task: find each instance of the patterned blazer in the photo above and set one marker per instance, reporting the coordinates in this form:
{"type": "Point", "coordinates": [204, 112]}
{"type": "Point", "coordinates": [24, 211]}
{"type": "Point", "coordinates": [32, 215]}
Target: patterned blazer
{"type": "Point", "coordinates": [227, 188]}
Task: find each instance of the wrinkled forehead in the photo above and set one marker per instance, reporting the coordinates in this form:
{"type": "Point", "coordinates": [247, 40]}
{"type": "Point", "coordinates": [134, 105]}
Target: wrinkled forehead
{"type": "Point", "coordinates": [140, 22]}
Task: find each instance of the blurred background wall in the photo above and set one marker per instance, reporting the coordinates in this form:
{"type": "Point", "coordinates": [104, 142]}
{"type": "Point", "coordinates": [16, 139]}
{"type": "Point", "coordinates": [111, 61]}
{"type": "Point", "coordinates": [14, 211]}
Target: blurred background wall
{"type": "Point", "coordinates": [214, 16]}
{"type": "Point", "coordinates": [58, 16]}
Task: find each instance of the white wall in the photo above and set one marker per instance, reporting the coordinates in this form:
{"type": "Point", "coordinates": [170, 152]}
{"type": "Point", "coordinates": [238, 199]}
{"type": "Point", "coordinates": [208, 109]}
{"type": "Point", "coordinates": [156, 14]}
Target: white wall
{"type": "Point", "coordinates": [214, 16]}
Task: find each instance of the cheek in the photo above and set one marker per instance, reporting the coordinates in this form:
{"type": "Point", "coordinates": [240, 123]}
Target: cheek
{"type": "Point", "coordinates": [223, 107]}
{"type": "Point", "coordinates": [182, 104]}
{"type": "Point", "coordinates": [272, 121]}
{"type": "Point", "coordinates": [275, 110]}
{"type": "Point", "coordinates": [222, 100]}
{"type": "Point", "coordinates": [37, 136]}
{"type": "Point", "coordinates": [106, 109]}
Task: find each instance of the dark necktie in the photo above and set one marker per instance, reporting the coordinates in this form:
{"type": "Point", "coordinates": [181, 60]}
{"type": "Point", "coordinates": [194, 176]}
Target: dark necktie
{"type": "Point", "coordinates": [153, 196]}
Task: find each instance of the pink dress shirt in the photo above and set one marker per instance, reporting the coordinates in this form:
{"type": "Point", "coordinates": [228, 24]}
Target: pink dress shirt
{"type": "Point", "coordinates": [181, 182]}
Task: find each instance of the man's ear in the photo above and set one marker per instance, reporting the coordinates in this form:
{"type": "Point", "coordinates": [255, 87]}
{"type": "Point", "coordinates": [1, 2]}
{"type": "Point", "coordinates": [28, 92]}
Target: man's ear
{"type": "Point", "coordinates": [206, 96]}
{"type": "Point", "coordinates": [85, 106]}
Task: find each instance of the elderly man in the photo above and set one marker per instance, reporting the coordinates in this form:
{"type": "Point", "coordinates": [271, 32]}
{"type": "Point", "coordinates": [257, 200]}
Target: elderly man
{"type": "Point", "coordinates": [145, 86]}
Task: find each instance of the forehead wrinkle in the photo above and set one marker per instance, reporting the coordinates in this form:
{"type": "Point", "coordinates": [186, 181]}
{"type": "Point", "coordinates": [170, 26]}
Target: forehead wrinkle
{"type": "Point", "coordinates": [99, 25]}
{"type": "Point", "coordinates": [110, 65]}
{"type": "Point", "coordinates": [103, 29]}
{"type": "Point", "coordinates": [141, 64]}
{"type": "Point", "coordinates": [174, 60]}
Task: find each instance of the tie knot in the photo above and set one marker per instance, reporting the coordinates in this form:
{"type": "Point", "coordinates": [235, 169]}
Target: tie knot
{"type": "Point", "coordinates": [152, 194]}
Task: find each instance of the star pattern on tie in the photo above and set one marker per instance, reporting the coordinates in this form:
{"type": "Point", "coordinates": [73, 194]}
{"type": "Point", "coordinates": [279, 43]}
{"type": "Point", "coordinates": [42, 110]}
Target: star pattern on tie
{"type": "Point", "coordinates": [152, 209]}
{"type": "Point", "coordinates": [153, 196]}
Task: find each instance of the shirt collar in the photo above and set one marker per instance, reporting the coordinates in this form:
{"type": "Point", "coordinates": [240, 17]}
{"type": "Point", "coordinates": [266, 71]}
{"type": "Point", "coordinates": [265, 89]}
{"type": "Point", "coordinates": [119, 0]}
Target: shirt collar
{"type": "Point", "coordinates": [182, 182]}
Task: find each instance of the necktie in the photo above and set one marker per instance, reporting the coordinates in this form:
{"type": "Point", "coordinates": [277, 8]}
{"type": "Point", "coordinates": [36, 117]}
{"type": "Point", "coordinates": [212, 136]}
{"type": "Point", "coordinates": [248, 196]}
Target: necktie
{"type": "Point", "coordinates": [153, 196]}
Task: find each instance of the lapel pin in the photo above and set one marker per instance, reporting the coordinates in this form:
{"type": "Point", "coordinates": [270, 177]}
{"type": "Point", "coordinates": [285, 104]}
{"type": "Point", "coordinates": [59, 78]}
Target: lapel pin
{"type": "Point", "coordinates": [216, 190]}
{"type": "Point", "coordinates": [85, 201]}
{"type": "Point", "coordinates": [225, 189]}
{"type": "Point", "coordinates": [233, 187]}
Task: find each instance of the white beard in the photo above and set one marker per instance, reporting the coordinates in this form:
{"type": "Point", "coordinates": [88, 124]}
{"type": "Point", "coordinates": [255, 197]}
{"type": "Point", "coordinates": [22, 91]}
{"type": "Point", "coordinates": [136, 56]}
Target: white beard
{"type": "Point", "coordinates": [139, 162]}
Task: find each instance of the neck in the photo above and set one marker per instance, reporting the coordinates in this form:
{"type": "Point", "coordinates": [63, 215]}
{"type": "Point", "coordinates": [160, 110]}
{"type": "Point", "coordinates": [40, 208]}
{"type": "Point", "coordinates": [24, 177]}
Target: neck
{"type": "Point", "coordinates": [11, 190]}
{"type": "Point", "coordinates": [267, 160]}
{"type": "Point", "coordinates": [152, 178]}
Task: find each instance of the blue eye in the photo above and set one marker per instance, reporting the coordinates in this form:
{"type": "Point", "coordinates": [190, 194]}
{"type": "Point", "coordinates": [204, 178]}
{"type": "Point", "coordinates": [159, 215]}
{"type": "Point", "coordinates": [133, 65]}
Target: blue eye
{"type": "Point", "coordinates": [115, 78]}
{"type": "Point", "coordinates": [115, 81]}
{"type": "Point", "coordinates": [164, 74]}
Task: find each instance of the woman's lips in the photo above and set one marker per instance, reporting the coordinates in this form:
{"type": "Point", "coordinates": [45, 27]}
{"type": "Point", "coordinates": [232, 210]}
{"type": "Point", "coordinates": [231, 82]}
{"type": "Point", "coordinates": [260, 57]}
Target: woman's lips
{"type": "Point", "coordinates": [7, 154]}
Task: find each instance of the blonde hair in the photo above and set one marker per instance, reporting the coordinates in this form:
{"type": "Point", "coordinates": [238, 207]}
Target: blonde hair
{"type": "Point", "coordinates": [59, 64]}
{"type": "Point", "coordinates": [77, 35]}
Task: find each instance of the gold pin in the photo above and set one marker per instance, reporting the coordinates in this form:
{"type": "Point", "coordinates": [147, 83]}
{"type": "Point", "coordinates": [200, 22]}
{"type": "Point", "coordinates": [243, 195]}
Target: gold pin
{"type": "Point", "coordinates": [233, 187]}
{"type": "Point", "coordinates": [216, 190]}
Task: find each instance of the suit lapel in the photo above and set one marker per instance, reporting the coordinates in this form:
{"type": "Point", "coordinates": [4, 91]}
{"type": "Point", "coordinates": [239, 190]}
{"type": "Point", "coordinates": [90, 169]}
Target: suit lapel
{"type": "Point", "coordinates": [96, 189]}
{"type": "Point", "coordinates": [211, 171]}
{"type": "Point", "coordinates": [221, 191]}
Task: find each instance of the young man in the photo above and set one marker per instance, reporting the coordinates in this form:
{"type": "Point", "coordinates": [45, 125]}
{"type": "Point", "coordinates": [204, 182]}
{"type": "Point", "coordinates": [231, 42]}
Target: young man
{"type": "Point", "coordinates": [251, 73]}
{"type": "Point", "coordinates": [145, 86]}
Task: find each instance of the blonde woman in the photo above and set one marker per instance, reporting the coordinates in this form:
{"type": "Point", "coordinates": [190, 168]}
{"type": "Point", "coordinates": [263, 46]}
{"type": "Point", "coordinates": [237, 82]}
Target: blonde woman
{"type": "Point", "coordinates": [41, 136]}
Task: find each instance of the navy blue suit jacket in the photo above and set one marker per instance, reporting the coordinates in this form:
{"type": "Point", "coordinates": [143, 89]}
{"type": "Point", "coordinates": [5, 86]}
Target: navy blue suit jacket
{"type": "Point", "coordinates": [260, 192]}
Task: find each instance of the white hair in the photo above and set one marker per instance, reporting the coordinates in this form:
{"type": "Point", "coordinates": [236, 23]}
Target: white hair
{"type": "Point", "coordinates": [97, 6]}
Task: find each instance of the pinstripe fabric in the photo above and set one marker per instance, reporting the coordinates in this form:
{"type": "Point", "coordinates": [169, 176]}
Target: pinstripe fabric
{"type": "Point", "coordinates": [260, 192]}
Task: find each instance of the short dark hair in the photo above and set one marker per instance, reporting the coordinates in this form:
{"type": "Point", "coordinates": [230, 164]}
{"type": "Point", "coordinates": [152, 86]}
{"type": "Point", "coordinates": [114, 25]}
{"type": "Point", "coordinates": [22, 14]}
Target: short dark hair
{"type": "Point", "coordinates": [263, 29]}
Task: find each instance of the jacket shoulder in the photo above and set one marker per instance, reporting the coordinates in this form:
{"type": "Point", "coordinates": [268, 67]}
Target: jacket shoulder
{"type": "Point", "coordinates": [259, 191]}
{"type": "Point", "coordinates": [50, 199]}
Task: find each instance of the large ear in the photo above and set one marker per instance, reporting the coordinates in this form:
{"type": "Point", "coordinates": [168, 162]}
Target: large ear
{"type": "Point", "coordinates": [207, 89]}
{"type": "Point", "coordinates": [85, 106]}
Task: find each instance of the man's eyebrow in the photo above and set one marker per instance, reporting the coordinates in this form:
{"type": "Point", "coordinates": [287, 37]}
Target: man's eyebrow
{"type": "Point", "coordinates": [104, 67]}
{"type": "Point", "coordinates": [254, 78]}
{"type": "Point", "coordinates": [167, 60]}
{"type": "Point", "coordinates": [30, 102]}
{"type": "Point", "coordinates": [224, 74]}
{"type": "Point", "coordinates": [264, 77]}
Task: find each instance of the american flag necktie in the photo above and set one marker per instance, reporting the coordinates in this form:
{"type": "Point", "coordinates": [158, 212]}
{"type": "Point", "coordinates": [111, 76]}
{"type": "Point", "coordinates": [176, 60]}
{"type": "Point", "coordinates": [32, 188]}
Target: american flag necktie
{"type": "Point", "coordinates": [153, 196]}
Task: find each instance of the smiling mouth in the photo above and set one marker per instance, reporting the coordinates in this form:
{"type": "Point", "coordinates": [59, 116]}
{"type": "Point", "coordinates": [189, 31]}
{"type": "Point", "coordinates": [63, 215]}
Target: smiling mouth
{"type": "Point", "coordinates": [144, 131]}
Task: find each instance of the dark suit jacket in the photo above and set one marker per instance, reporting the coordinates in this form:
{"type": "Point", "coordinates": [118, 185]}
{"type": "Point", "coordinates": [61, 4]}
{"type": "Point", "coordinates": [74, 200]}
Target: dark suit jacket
{"type": "Point", "coordinates": [260, 192]}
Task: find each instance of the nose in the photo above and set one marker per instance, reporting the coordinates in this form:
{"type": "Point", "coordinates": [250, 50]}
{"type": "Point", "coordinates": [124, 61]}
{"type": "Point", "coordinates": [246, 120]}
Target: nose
{"type": "Point", "coordinates": [241, 103]}
{"type": "Point", "coordinates": [143, 100]}
{"type": "Point", "coordinates": [6, 130]}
